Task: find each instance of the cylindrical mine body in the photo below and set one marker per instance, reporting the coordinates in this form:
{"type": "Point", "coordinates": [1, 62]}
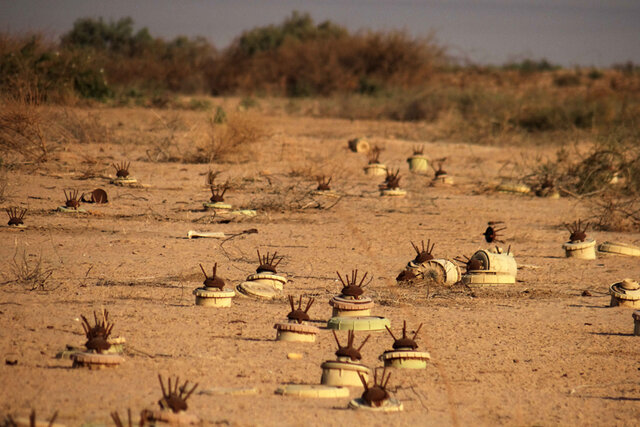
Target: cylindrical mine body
{"type": "Point", "coordinates": [581, 250]}
{"type": "Point", "coordinates": [446, 271]}
{"type": "Point", "coordinates": [343, 374]}
{"type": "Point", "coordinates": [499, 263]}
{"type": "Point", "coordinates": [418, 163]}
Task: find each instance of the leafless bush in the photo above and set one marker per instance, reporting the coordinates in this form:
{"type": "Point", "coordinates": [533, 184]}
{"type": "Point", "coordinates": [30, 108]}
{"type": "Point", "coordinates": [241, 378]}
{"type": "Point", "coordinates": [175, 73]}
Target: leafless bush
{"type": "Point", "coordinates": [22, 130]}
{"type": "Point", "coordinates": [3, 186]}
{"type": "Point", "coordinates": [230, 141]}
{"type": "Point", "coordinates": [169, 131]}
{"type": "Point", "coordinates": [83, 128]}
{"type": "Point", "coordinates": [615, 213]}
{"type": "Point", "coordinates": [31, 274]}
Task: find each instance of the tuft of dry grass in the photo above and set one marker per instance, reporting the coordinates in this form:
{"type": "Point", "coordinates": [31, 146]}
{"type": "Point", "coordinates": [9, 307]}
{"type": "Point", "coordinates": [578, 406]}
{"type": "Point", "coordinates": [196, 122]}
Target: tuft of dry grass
{"type": "Point", "coordinates": [31, 274]}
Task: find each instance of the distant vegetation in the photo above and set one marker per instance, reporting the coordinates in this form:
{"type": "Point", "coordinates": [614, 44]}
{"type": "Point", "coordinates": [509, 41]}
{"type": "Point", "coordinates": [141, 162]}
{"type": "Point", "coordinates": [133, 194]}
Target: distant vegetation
{"type": "Point", "coordinates": [388, 75]}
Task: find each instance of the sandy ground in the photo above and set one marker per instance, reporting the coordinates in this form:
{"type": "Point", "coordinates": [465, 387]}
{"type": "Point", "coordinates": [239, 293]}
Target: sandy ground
{"type": "Point", "coordinates": [533, 353]}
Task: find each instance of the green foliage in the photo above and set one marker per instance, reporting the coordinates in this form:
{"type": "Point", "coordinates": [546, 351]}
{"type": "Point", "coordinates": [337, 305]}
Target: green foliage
{"type": "Point", "coordinates": [220, 116]}
{"type": "Point", "coordinates": [297, 27]}
{"type": "Point", "coordinates": [531, 66]}
{"type": "Point", "coordinates": [111, 36]}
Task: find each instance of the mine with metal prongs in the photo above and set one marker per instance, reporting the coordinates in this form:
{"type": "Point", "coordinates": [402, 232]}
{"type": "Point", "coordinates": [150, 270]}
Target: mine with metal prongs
{"type": "Point", "coordinates": [211, 177]}
{"type": "Point", "coordinates": [72, 200]}
{"type": "Point", "coordinates": [350, 287]}
{"type": "Point", "coordinates": [418, 150]}
{"type": "Point", "coordinates": [491, 233]}
{"type": "Point", "coordinates": [175, 398]}
{"type": "Point", "coordinates": [349, 351]}
{"type": "Point", "coordinates": [377, 394]}
{"type": "Point", "coordinates": [16, 215]}
{"type": "Point", "coordinates": [97, 335]}
{"type": "Point", "coordinates": [439, 171]}
{"type": "Point", "coordinates": [299, 315]}
{"type": "Point", "coordinates": [267, 264]}
{"type": "Point", "coordinates": [145, 415]}
{"type": "Point", "coordinates": [424, 254]}
{"type": "Point", "coordinates": [217, 192]}
{"type": "Point", "coordinates": [323, 183]}
{"type": "Point", "coordinates": [471, 264]}
{"type": "Point", "coordinates": [33, 422]}
{"type": "Point", "coordinates": [392, 181]}
{"type": "Point", "coordinates": [122, 169]}
{"type": "Point", "coordinates": [374, 155]}
{"type": "Point", "coordinates": [404, 342]}
{"type": "Point", "coordinates": [212, 281]}
{"type": "Point", "coordinates": [578, 231]}
{"type": "Point", "coordinates": [96, 196]}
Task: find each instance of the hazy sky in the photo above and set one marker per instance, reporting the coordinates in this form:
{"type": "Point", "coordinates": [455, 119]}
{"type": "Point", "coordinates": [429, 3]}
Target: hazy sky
{"type": "Point", "coordinates": [568, 32]}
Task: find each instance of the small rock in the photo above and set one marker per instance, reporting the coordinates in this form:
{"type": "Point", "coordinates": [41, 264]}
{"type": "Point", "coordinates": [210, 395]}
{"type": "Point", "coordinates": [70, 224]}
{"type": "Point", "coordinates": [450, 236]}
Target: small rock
{"type": "Point", "coordinates": [586, 294]}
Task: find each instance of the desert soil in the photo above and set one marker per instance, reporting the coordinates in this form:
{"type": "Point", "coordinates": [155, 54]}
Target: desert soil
{"type": "Point", "coordinates": [533, 353]}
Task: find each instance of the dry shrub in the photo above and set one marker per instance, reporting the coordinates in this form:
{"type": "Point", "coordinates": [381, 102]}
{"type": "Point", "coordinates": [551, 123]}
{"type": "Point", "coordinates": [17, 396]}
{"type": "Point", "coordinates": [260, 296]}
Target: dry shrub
{"type": "Point", "coordinates": [3, 186]}
{"type": "Point", "coordinates": [22, 130]}
{"type": "Point", "coordinates": [616, 214]}
{"type": "Point", "coordinates": [83, 128]}
{"type": "Point", "coordinates": [232, 141]}
{"type": "Point", "coordinates": [31, 274]}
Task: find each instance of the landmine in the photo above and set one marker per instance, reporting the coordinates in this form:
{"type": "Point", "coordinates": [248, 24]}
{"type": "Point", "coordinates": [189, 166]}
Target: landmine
{"type": "Point", "coordinates": [391, 185]}
{"type": "Point", "coordinates": [97, 196]}
{"type": "Point", "coordinates": [424, 265]}
{"type": "Point", "coordinates": [31, 421]}
{"type": "Point", "coordinates": [513, 187]}
{"type": "Point", "coordinates": [376, 397]}
{"type": "Point", "coordinates": [625, 294]}
{"type": "Point", "coordinates": [265, 283]}
{"type": "Point", "coordinates": [294, 329]}
{"type": "Point", "coordinates": [405, 354]}
{"type": "Point", "coordinates": [213, 293]}
{"type": "Point", "coordinates": [619, 248]}
{"type": "Point", "coordinates": [579, 246]}
{"type": "Point", "coordinates": [312, 391]}
{"type": "Point", "coordinates": [440, 175]}
{"type": "Point", "coordinates": [216, 202]}
{"type": "Point", "coordinates": [374, 167]}
{"type": "Point", "coordinates": [636, 323]}
{"type": "Point", "coordinates": [346, 369]}
{"type": "Point", "coordinates": [486, 268]}
{"type": "Point", "coordinates": [72, 203]}
{"type": "Point", "coordinates": [418, 162]}
{"type": "Point", "coordinates": [16, 217]}
{"type": "Point", "coordinates": [323, 188]}
{"type": "Point", "coordinates": [123, 178]}
{"type": "Point", "coordinates": [173, 405]}
{"type": "Point", "coordinates": [98, 345]}
{"type": "Point", "coordinates": [359, 145]}
{"type": "Point", "coordinates": [351, 310]}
